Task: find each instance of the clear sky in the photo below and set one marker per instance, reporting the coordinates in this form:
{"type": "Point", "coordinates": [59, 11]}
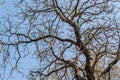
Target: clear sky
{"type": "Point", "coordinates": [25, 64]}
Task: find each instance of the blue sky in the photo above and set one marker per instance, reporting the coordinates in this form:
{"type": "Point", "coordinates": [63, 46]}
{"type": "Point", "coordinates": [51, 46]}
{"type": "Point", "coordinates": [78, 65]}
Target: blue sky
{"type": "Point", "coordinates": [25, 64]}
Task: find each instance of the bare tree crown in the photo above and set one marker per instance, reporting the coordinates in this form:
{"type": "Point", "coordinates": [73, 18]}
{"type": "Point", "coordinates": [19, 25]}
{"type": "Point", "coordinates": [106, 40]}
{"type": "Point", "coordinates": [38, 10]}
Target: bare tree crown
{"type": "Point", "coordinates": [72, 39]}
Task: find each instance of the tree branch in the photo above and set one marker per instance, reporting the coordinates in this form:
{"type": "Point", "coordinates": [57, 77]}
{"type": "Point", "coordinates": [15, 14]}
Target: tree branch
{"type": "Point", "coordinates": [41, 38]}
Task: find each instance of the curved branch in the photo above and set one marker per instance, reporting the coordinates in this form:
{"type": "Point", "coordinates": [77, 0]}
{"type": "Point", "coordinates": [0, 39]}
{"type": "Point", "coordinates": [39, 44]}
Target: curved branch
{"type": "Point", "coordinates": [41, 38]}
{"type": "Point", "coordinates": [59, 11]}
{"type": "Point", "coordinates": [109, 67]}
{"type": "Point", "coordinates": [55, 70]}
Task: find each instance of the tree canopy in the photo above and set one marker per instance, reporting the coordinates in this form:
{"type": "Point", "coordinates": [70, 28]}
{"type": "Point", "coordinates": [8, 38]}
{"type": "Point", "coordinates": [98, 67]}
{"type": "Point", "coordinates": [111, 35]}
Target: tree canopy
{"type": "Point", "coordinates": [71, 39]}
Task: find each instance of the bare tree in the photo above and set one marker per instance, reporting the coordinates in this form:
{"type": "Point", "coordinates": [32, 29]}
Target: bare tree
{"type": "Point", "coordinates": [72, 39]}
